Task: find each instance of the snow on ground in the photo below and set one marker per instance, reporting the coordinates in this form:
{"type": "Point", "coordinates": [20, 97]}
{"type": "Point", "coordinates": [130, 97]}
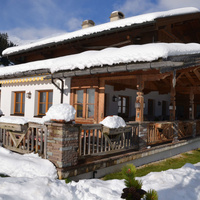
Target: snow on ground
{"type": "Point", "coordinates": [34, 178]}
{"type": "Point", "coordinates": [27, 165]}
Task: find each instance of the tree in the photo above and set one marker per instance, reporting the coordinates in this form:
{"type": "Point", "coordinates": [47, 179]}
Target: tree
{"type": "Point", "coordinates": [4, 43]}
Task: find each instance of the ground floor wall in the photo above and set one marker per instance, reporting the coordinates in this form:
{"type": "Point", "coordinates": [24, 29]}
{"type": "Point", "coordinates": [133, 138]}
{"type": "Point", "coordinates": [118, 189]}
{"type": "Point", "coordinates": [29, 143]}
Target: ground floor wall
{"type": "Point", "coordinates": [31, 102]}
{"type": "Point", "coordinates": [156, 100]}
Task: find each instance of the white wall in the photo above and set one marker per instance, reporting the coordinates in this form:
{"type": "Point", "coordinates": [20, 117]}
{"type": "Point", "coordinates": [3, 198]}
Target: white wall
{"type": "Point", "coordinates": [112, 107]}
{"type": "Point", "coordinates": [31, 104]}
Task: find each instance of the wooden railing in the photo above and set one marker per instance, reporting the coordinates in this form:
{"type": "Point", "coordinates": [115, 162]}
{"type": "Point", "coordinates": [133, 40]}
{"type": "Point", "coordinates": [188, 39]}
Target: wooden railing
{"type": "Point", "coordinates": [160, 132]}
{"type": "Point", "coordinates": [93, 139]}
{"type": "Point", "coordinates": [26, 138]}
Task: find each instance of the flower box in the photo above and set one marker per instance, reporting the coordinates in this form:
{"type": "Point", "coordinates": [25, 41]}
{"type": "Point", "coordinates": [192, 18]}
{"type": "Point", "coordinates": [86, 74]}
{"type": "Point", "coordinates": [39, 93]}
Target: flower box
{"type": "Point", "coordinates": [116, 131]}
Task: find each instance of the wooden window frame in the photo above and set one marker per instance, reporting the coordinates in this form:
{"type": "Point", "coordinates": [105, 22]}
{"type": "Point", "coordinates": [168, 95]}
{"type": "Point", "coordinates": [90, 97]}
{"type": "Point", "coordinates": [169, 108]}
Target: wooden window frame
{"type": "Point", "coordinates": [127, 107]}
{"type": "Point", "coordinates": [21, 102]}
{"type": "Point", "coordinates": [46, 102]}
{"type": "Point", "coordinates": [85, 103]}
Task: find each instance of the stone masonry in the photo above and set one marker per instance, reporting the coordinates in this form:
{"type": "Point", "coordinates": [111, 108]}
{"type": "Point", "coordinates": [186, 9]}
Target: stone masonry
{"type": "Point", "coordinates": [62, 145]}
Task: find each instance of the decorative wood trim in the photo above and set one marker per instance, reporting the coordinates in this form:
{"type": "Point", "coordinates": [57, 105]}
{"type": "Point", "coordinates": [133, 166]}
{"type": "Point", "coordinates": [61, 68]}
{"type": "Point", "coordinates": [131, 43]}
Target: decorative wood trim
{"type": "Point", "coordinates": [101, 100]}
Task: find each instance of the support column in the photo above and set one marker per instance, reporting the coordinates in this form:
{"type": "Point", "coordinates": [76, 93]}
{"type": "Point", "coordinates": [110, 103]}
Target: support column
{"type": "Point", "coordinates": [172, 107]}
{"type": "Point", "coordinates": [101, 102]}
{"type": "Point", "coordinates": [139, 103]}
{"type": "Point", "coordinates": [191, 106]}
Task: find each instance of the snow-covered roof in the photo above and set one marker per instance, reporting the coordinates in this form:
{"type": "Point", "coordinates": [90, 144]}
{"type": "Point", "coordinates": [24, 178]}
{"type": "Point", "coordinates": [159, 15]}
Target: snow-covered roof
{"type": "Point", "coordinates": [100, 28]}
{"type": "Point", "coordinates": [106, 57]}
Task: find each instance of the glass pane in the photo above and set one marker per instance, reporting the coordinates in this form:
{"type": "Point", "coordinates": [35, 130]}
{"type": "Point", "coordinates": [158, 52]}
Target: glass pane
{"type": "Point", "coordinates": [119, 109]}
{"type": "Point", "coordinates": [124, 109]}
{"type": "Point", "coordinates": [17, 107]}
{"type": "Point", "coordinates": [90, 95]}
{"type": "Point", "coordinates": [18, 97]}
{"type": "Point", "coordinates": [42, 109]}
{"type": "Point", "coordinates": [124, 101]}
{"type": "Point", "coordinates": [119, 101]}
{"type": "Point", "coordinates": [23, 97]}
{"type": "Point", "coordinates": [79, 96]}
{"type": "Point", "coordinates": [23, 108]}
{"type": "Point", "coordinates": [79, 110]}
{"type": "Point", "coordinates": [50, 97]}
{"type": "Point", "coordinates": [42, 96]}
{"type": "Point", "coordinates": [49, 105]}
{"type": "Point", "coordinates": [90, 111]}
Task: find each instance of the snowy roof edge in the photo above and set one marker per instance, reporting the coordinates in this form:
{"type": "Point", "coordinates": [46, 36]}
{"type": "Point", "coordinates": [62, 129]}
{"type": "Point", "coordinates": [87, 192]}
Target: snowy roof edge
{"type": "Point", "coordinates": [135, 20]}
{"type": "Point", "coordinates": [108, 57]}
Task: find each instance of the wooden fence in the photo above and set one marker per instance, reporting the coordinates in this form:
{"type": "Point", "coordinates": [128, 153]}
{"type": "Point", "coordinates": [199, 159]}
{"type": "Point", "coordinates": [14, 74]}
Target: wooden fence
{"type": "Point", "coordinates": [160, 132]}
{"type": "Point", "coordinates": [93, 139]}
{"type": "Point", "coordinates": [26, 138]}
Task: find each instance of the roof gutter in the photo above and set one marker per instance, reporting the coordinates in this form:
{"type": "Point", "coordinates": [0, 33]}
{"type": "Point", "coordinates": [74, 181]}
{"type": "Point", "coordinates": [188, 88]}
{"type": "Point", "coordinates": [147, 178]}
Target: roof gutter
{"type": "Point", "coordinates": [60, 88]}
{"type": "Point", "coordinates": [163, 65]}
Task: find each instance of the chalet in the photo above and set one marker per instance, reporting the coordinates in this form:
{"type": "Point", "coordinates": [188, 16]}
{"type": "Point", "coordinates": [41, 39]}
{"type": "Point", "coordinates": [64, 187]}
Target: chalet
{"type": "Point", "coordinates": [117, 68]}
{"type": "Point", "coordinates": [142, 68]}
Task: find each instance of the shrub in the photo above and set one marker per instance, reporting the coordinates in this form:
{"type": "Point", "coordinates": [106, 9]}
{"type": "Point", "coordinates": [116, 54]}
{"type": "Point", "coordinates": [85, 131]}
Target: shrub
{"type": "Point", "coordinates": [133, 190]}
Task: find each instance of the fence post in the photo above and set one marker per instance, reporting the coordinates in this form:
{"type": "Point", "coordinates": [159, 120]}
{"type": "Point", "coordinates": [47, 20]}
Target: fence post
{"type": "Point", "coordinates": [175, 131]}
{"type": "Point", "coordinates": [62, 145]}
{"type": "Point", "coordinates": [194, 129]}
{"type": "Point", "coordinates": [143, 135]}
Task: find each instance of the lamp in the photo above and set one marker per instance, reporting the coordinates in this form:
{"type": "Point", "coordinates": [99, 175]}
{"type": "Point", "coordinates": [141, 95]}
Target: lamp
{"type": "Point", "coordinates": [190, 108]}
{"type": "Point", "coordinates": [137, 105]}
{"type": "Point", "coordinates": [28, 95]}
{"type": "Point", "coordinates": [170, 107]}
{"type": "Point", "coordinates": [114, 98]}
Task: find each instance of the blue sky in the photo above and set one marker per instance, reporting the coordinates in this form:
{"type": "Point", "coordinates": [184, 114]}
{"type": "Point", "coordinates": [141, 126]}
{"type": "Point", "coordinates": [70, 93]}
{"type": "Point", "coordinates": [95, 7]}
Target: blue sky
{"type": "Point", "coordinates": [35, 19]}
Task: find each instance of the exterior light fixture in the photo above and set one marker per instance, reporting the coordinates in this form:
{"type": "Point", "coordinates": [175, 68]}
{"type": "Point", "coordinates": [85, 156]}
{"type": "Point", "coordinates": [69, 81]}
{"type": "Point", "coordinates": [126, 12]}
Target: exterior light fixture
{"type": "Point", "coordinates": [171, 107]}
{"type": "Point", "coordinates": [114, 98]}
{"type": "Point", "coordinates": [28, 95]}
{"type": "Point", "coordinates": [137, 105]}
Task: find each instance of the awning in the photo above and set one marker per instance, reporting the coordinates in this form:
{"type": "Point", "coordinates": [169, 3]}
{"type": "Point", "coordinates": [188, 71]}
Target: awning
{"type": "Point", "coordinates": [22, 80]}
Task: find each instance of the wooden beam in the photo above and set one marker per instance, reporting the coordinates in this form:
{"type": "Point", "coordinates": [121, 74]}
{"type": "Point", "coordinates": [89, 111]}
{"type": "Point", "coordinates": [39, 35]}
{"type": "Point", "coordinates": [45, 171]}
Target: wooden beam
{"type": "Point", "coordinates": [196, 72]}
{"type": "Point", "coordinates": [190, 78]}
{"type": "Point", "coordinates": [101, 100]}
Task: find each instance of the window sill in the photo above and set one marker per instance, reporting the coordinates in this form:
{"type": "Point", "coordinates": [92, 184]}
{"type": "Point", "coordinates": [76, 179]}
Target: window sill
{"type": "Point", "coordinates": [39, 116]}
{"type": "Point", "coordinates": [16, 114]}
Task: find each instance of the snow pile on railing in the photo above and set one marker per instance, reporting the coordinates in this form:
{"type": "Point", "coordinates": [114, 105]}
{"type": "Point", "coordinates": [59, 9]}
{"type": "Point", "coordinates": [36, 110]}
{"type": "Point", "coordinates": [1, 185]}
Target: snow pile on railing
{"type": "Point", "coordinates": [113, 122]}
{"type": "Point", "coordinates": [64, 112]}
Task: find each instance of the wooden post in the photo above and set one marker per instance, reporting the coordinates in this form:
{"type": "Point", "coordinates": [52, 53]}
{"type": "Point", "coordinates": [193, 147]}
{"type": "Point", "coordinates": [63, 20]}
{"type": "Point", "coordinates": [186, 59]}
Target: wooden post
{"type": "Point", "coordinates": [191, 106]}
{"type": "Point", "coordinates": [172, 108]}
{"type": "Point", "coordinates": [139, 103]}
{"type": "Point", "coordinates": [101, 101]}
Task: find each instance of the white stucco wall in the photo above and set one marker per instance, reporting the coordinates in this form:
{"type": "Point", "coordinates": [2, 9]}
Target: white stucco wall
{"type": "Point", "coordinates": [112, 107]}
{"type": "Point", "coordinates": [31, 104]}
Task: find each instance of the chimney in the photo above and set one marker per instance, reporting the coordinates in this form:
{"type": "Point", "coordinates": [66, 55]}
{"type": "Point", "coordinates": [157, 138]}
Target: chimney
{"type": "Point", "coordinates": [116, 15]}
{"type": "Point", "coordinates": [87, 24]}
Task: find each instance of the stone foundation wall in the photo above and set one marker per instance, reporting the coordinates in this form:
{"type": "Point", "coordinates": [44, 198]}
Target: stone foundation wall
{"type": "Point", "coordinates": [62, 144]}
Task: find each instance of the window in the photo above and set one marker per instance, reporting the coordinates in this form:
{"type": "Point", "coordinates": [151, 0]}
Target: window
{"type": "Point", "coordinates": [19, 99]}
{"type": "Point", "coordinates": [45, 99]}
{"type": "Point", "coordinates": [151, 108]}
{"type": "Point", "coordinates": [123, 106]}
{"type": "Point", "coordinates": [84, 103]}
